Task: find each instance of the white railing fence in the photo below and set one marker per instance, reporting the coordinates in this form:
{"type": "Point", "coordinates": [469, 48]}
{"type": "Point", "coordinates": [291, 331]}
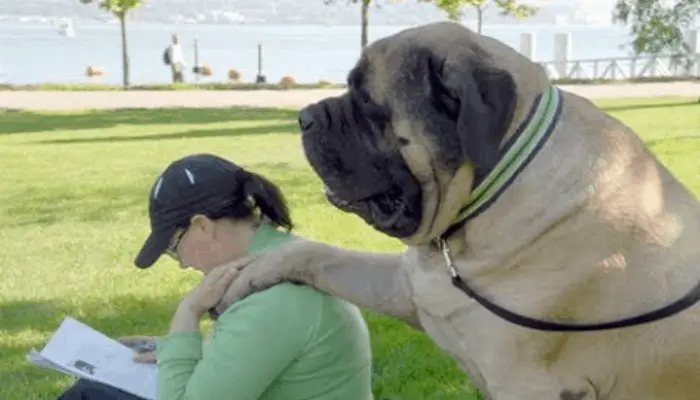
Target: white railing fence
{"type": "Point", "coordinates": [623, 68]}
{"type": "Point", "coordinates": [619, 68]}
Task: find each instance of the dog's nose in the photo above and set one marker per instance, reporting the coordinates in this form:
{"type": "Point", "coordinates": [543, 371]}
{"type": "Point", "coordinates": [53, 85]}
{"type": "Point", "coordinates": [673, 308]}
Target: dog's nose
{"type": "Point", "coordinates": [306, 119]}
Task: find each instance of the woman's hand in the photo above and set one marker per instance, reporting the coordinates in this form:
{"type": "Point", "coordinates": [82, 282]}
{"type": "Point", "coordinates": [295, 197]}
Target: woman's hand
{"type": "Point", "coordinates": [210, 291]}
{"type": "Point", "coordinates": [137, 342]}
{"type": "Point", "coordinates": [144, 347]}
{"type": "Point", "coordinates": [204, 296]}
{"type": "Point", "coordinates": [297, 260]}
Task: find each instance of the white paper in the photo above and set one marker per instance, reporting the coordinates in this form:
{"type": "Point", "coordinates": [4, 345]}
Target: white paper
{"type": "Point", "coordinates": [35, 357]}
{"type": "Point", "coordinates": [79, 350]}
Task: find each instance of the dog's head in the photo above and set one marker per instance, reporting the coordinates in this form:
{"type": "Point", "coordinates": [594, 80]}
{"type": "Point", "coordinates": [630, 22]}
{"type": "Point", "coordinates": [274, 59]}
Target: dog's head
{"type": "Point", "coordinates": [425, 109]}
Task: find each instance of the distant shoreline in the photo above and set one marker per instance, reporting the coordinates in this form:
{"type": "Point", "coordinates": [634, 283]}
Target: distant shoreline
{"type": "Point", "coordinates": [307, 52]}
{"type": "Point", "coordinates": [164, 87]}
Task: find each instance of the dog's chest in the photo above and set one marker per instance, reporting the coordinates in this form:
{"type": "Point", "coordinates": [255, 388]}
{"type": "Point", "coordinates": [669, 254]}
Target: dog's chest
{"type": "Point", "coordinates": [454, 321]}
{"type": "Point", "coordinates": [496, 355]}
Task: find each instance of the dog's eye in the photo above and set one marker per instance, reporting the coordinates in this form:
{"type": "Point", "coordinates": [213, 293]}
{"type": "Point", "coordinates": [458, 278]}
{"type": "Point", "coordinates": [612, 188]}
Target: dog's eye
{"type": "Point", "coordinates": [368, 109]}
{"type": "Point", "coordinates": [403, 141]}
{"type": "Point", "coordinates": [366, 101]}
{"type": "Point", "coordinates": [371, 109]}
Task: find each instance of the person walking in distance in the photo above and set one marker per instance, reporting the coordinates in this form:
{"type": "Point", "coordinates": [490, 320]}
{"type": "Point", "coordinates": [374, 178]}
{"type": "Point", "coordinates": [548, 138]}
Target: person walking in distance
{"type": "Point", "coordinates": [175, 58]}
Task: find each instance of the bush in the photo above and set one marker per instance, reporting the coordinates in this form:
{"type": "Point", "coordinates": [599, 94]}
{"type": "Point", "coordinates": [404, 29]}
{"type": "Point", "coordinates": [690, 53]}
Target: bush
{"type": "Point", "coordinates": [206, 70]}
{"type": "Point", "coordinates": [288, 80]}
{"type": "Point", "coordinates": [235, 75]}
{"type": "Point", "coordinates": [93, 71]}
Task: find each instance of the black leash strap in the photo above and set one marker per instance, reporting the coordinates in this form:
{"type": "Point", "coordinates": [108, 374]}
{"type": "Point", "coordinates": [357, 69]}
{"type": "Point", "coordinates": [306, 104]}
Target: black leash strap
{"type": "Point", "coordinates": [683, 303]}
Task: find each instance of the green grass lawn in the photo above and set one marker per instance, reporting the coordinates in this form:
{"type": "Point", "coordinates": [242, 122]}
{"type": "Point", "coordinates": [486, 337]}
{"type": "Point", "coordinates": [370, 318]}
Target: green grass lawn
{"type": "Point", "coordinates": [73, 194]}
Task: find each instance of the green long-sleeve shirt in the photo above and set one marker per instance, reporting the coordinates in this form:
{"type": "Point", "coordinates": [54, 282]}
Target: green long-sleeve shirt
{"type": "Point", "coordinates": [288, 342]}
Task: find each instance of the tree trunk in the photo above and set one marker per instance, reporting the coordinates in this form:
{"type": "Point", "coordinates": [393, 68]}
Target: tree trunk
{"type": "Point", "coordinates": [479, 18]}
{"type": "Point", "coordinates": [365, 22]}
{"type": "Point", "coordinates": [125, 51]}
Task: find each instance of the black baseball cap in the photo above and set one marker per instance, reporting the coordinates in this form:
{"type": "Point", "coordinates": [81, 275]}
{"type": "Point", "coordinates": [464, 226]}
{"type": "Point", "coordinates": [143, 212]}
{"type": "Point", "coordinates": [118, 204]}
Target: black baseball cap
{"type": "Point", "coordinates": [196, 184]}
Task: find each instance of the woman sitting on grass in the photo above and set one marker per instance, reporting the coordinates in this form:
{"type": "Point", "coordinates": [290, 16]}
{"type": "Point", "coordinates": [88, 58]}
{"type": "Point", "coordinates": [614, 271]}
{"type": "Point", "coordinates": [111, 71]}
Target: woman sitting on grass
{"type": "Point", "coordinates": [287, 342]}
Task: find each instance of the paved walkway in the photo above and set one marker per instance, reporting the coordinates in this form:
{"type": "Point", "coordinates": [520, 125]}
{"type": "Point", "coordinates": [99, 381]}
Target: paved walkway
{"type": "Point", "coordinates": [31, 100]}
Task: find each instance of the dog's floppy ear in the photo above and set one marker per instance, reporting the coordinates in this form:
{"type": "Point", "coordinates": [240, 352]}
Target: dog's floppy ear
{"type": "Point", "coordinates": [484, 99]}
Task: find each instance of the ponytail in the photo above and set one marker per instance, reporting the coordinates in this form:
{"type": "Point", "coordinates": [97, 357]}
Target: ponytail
{"type": "Point", "coordinates": [252, 191]}
{"type": "Point", "coordinates": [267, 197]}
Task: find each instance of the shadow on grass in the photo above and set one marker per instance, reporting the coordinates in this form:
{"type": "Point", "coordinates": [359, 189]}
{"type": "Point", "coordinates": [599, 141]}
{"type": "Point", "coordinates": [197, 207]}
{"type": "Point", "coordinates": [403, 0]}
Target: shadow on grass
{"type": "Point", "coordinates": [31, 121]}
{"type": "Point", "coordinates": [115, 316]}
{"type": "Point", "coordinates": [651, 106]}
{"type": "Point", "coordinates": [121, 315]}
{"type": "Point", "coordinates": [400, 354]}
{"type": "Point", "coordinates": [197, 133]}
{"type": "Point", "coordinates": [42, 206]}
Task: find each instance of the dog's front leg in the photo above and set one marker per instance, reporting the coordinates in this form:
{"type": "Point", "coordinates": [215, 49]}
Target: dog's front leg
{"type": "Point", "coordinates": [373, 281]}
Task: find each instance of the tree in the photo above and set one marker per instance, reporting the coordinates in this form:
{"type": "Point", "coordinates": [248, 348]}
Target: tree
{"type": "Point", "coordinates": [510, 8]}
{"type": "Point", "coordinates": [364, 16]}
{"type": "Point", "coordinates": [657, 25]}
{"type": "Point", "coordinates": [120, 9]}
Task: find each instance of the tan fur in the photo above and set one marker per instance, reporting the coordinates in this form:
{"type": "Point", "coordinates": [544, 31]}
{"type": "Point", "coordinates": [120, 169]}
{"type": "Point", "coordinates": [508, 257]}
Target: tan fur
{"type": "Point", "coordinates": [594, 229]}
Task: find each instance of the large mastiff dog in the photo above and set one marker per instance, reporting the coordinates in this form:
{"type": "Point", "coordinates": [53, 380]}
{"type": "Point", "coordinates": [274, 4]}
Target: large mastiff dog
{"type": "Point", "coordinates": [549, 252]}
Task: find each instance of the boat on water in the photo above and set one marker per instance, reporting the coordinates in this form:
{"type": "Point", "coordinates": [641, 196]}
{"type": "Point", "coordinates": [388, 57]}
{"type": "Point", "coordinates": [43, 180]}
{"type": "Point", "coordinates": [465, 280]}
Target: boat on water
{"type": "Point", "coordinates": [65, 27]}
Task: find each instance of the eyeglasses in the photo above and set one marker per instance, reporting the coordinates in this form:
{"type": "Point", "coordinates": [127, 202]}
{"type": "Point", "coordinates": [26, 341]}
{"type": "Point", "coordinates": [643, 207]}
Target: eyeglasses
{"type": "Point", "coordinates": [172, 250]}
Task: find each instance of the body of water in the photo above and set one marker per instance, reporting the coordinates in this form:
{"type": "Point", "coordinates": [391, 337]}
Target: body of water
{"type": "Point", "coordinates": [37, 53]}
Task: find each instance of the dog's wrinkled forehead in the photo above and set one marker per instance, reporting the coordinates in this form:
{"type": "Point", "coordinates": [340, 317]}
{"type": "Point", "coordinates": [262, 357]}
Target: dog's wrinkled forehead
{"type": "Point", "coordinates": [366, 80]}
{"type": "Point", "coordinates": [394, 66]}
{"type": "Point", "coordinates": [380, 74]}
{"type": "Point", "coordinates": [440, 83]}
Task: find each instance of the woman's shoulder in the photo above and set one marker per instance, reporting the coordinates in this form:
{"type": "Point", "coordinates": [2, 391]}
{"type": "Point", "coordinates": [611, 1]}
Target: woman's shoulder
{"type": "Point", "coordinates": [287, 290]}
{"type": "Point", "coordinates": [288, 299]}
{"type": "Point", "coordinates": [314, 306]}
{"type": "Point", "coordinates": [298, 293]}
{"type": "Point", "coordinates": [299, 314]}
{"type": "Point", "coordinates": [287, 296]}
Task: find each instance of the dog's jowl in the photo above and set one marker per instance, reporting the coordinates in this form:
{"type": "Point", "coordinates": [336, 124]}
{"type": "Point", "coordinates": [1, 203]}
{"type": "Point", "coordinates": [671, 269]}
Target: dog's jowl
{"type": "Point", "coordinates": [569, 395]}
